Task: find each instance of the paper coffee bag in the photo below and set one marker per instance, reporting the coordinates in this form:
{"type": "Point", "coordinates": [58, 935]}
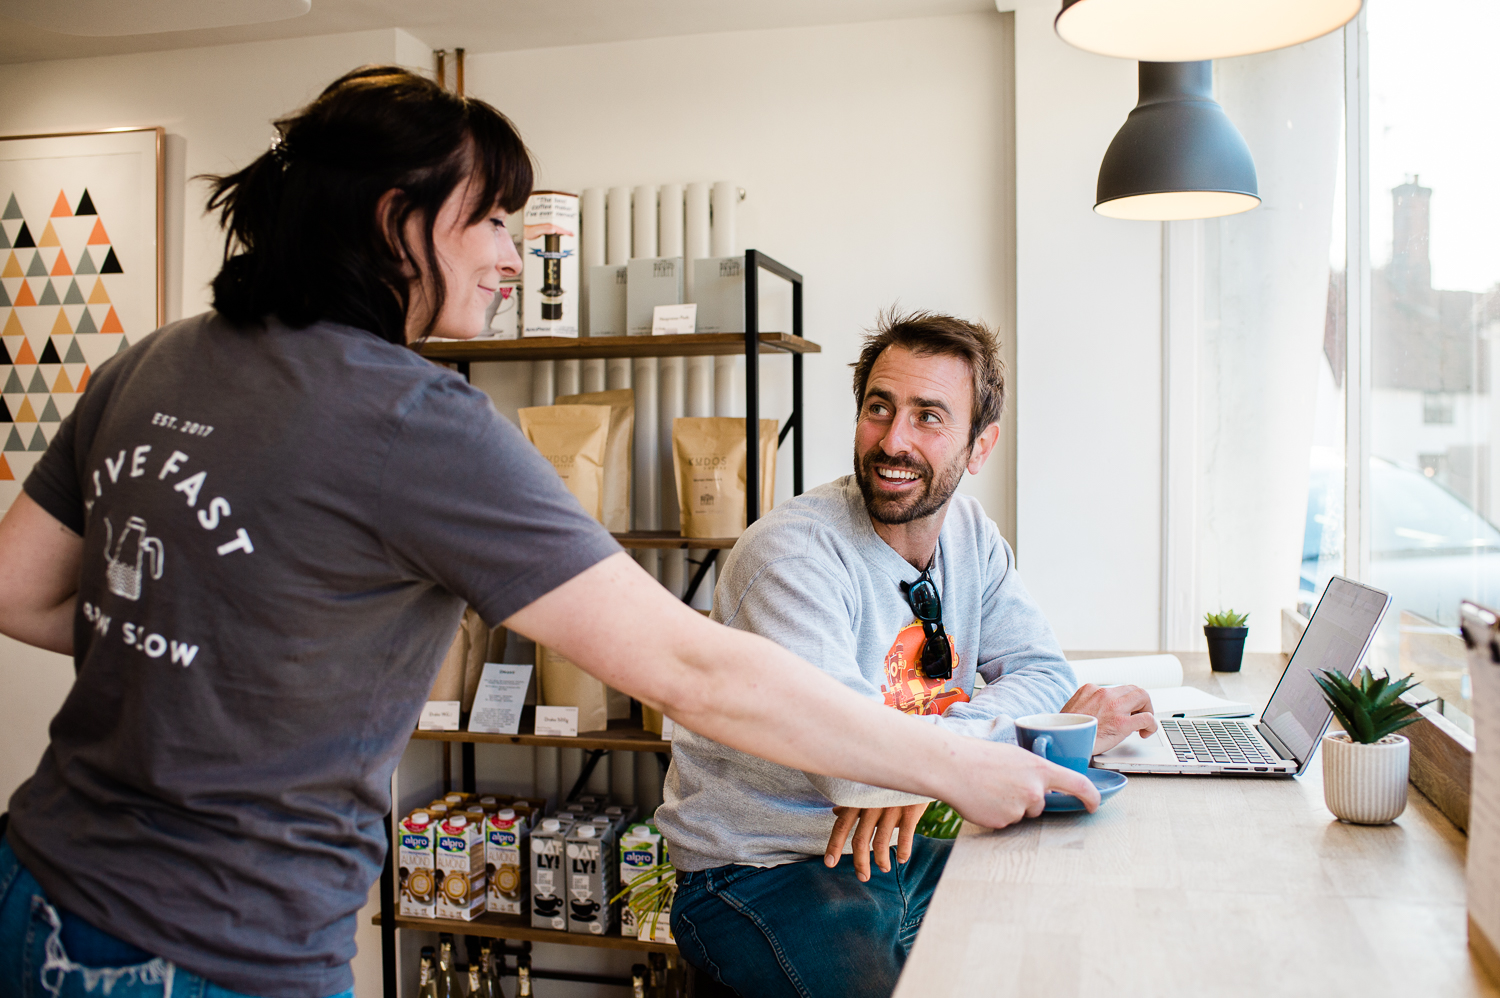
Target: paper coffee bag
{"type": "Point", "coordinates": [619, 452]}
{"type": "Point", "coordinates": [708, 454]}
{"type": "Point", "coordinates": [573, 438]}
{"type": "Point", "coordinates": [563, 684]}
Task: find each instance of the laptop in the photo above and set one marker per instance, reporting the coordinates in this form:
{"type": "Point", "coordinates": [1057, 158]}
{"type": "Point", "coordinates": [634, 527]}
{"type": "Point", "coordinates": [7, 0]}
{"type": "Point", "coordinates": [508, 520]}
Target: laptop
{"type": "Point", "coordinates": [1283, 741]}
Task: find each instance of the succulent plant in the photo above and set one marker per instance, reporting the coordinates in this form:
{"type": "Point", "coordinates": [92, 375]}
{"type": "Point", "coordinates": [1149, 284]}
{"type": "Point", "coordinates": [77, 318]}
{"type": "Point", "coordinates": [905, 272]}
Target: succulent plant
{"type": "Point", "coordinates": [1225, 618]}
{"type": "Point", "coordinates": [1369, 708]}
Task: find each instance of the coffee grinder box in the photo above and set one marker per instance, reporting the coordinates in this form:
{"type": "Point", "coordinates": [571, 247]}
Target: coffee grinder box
{"type": "Point", "coordinates": [460, 868]}
{"type": "Point", "coordinates": [505, 861]}
{"type": "Point", "coordinates": [719, 290]}
{"type": "Point", "coordinates": [607, 286]}
{"type": "Point", "coordinates": [653, 281]}
{"type": "Point", "coordinates": [549, 883]}
{"type": "Point", "coordinates": [591, 877]}
{"type": "Point", "coordinates": [640, 854]}
{"type": "Point", "coordinates": [416, 859]}
{"type": "Point", "coordinates": [550, 274]}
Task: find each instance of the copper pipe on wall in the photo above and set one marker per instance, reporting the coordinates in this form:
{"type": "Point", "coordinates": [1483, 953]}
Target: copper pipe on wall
{"type": "Point", "coordinates": [458, 72]}
{"type": "Point", "coordinates": [441, 55]}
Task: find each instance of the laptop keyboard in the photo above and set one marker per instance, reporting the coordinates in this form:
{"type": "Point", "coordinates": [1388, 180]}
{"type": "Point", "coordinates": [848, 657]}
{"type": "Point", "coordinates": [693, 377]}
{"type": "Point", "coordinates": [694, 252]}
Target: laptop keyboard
{"type": "Point", "coordinates": [1226, 742]}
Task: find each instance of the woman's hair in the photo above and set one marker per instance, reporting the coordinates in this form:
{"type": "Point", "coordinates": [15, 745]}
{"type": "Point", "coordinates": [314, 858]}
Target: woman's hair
{"type": "Point", "coordinates": [304, 240]}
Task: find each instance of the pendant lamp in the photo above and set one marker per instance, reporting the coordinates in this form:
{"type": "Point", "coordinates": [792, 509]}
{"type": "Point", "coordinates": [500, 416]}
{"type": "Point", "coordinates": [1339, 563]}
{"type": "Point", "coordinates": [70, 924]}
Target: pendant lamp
{"type": "Point", "coordinates": [1178, 155]}
{"type": "Point", "coordinates": [1190, 30]}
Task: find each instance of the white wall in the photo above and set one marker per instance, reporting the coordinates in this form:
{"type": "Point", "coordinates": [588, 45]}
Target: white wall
{"type": "Point", "coordinates": [1088, 317]}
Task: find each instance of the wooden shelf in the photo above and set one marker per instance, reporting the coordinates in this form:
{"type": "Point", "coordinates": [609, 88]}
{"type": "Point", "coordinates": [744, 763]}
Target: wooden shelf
{"type": "Point", "coordinates": [623, 735]}
{"type": "Point", "coordinates": [590, 347]}
{"type": "Point", "coordinates": [518, 927]}
{"type": "Point", "coordinates": [670, 539]}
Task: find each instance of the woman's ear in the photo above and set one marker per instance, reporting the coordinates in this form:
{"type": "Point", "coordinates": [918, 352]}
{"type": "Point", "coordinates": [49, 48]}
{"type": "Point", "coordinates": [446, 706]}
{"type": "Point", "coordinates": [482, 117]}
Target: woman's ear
{"type": "Point", "coordinates": [387, 209]}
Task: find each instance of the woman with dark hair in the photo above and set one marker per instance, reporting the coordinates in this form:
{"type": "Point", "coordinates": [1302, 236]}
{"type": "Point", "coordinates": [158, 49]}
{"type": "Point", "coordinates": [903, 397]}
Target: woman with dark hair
{"type": "Point", "coordinates": [255, 536]}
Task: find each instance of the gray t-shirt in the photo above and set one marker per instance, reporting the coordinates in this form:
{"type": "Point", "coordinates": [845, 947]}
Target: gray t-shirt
{"type": "Point", "coordinates": [281, 528]}
{"type": "Point", "coordinates": [813, 576]}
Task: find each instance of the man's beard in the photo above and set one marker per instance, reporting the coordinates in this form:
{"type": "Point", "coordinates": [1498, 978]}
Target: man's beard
{"type": "Point", "coordinates": [935, 493]}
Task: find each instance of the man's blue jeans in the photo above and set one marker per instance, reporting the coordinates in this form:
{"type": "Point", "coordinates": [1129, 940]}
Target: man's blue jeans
{"type": "Point", "coordinates": [801, 930]}
{"type": "Point", "coordinates": [47, 952]}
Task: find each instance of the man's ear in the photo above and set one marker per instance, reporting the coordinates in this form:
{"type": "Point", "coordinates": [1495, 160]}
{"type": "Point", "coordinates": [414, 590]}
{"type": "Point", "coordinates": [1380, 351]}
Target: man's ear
{"type": "Point", "coordinates": [983, 448]}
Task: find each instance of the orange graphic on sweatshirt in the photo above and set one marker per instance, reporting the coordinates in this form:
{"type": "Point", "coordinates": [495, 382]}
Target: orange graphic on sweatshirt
{"type": "Point", "coordinates": [905, 687]}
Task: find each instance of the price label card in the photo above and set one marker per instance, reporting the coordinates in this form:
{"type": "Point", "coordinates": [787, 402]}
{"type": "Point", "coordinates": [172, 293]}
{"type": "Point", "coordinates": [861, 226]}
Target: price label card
{"type": "Point", "coordinates": [439, 715]}
{"type": "Point", "coordinates": [674, 320]}
{"type": "Point", "coordinates": [668, 729]}
{"type": "Point", "coordinates": [560, 722]}
{"type": "Point", "coordinates": [498, 701]}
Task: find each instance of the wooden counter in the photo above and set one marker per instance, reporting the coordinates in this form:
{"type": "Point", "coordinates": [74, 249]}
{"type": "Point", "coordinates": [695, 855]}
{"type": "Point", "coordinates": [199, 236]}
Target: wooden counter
{"type": "Point", "coordinates": [1203, 886]}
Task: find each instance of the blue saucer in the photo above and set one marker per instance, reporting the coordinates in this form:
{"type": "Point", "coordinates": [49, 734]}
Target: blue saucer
{"type": "Point", "coordinates": [1109, 784]}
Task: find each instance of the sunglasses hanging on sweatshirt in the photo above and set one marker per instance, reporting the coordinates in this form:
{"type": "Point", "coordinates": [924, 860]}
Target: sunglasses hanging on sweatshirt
{"type": "Point", "coordinates": [937, 655]}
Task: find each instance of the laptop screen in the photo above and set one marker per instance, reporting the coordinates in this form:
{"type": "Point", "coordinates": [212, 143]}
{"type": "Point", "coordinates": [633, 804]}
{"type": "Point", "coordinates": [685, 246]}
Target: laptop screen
{"type": "Point", "coordinates": [1337, 635]}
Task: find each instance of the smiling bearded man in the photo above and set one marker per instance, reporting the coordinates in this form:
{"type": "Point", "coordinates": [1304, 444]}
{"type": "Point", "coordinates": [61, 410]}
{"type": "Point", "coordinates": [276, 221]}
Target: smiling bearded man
{"type": "Point", "coordinates": [904, 591]}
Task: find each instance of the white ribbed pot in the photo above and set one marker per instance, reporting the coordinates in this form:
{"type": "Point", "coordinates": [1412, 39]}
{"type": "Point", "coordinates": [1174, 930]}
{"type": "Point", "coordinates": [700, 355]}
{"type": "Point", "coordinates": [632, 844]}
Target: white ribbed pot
{"type": "Point", "coordinates": [1365, 784]}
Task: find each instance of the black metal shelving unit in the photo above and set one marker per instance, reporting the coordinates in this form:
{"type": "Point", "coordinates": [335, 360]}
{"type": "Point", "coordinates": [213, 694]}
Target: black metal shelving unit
{"type": "Point", "coordinates": [625, 738]}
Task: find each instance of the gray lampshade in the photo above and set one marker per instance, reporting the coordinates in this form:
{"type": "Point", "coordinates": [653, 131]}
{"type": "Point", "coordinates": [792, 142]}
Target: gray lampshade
{"type": "Point", "coordinates": [1178, 155]}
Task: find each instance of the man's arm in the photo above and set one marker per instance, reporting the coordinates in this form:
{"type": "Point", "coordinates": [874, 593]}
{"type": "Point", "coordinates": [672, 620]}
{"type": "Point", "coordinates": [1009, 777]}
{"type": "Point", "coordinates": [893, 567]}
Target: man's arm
{"type": "Point", "coordinates": [39, 564]}
{"type": "Point", "coordinates": [620, 625]}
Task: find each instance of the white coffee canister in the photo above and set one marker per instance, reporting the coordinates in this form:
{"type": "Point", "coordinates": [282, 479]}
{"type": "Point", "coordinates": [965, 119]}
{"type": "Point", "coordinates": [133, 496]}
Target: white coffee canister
{"type": "Point", "coordinates": [1366, 784]}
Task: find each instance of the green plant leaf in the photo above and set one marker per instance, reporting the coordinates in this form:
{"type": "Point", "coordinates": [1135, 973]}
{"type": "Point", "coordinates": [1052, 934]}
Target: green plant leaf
{"type": "Point", "coordinates": [1369, 707]}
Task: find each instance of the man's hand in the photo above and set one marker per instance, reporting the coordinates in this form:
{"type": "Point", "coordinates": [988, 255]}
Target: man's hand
{"type": "Point", "coordinates": [1120, 710]}
{"type": "Point", "coordinates": [873, 831]}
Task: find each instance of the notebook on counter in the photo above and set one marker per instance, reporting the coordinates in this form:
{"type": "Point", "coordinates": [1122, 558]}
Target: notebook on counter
{"type": "Point", "coordinates": [1160, 676]}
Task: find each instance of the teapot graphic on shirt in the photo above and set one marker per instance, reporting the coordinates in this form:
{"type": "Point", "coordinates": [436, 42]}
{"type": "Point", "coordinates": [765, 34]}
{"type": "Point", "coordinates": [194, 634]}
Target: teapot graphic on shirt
{"type": "Point", "coordinates": [127, 561]}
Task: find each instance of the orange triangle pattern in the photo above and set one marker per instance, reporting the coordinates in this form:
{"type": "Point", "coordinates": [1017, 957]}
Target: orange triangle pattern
{"type": "Point", "coordinates": [83, 381]}
{"type": "Point", "coordinates": [62, 384]}
{"type": "Point", "coordinates": [61, 327]}
{"type": "Point", "coordinates": [61, 268]}
{"type": "Point", "coordinates": [5, 472]}
{"type": "Point", "coordinates": [25, 297]}
{"type": "Point", "coordinates": [61, 209]}
{"type": "Point", "coordinates": [49, 237]}
{"type": "Point", "coordinates": [98, 236]}
{"type": "Point", "coordinates": [26, 414]}
{"type": "Point", "coordinates": [13, 327]}
{"type": "Point", "coordinates": [99, 296]}
{"type": "Point", "coordinates": [111, 325]}
{"type": "Point", "coordinates": [12, 268]}
{"type": "Point", "coordinates": [25, 355]}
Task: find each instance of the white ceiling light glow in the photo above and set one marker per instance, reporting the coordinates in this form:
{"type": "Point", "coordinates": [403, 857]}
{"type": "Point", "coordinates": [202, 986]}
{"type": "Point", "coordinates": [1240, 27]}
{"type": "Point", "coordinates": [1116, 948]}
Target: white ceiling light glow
{"type": "Point", "coordinates": [1192, 30]}
{"type": "Point", "coordinates": [98, 18]}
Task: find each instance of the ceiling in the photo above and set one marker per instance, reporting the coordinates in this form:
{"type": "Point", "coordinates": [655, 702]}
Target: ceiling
{"type": "Point", "coordinates": [490, 25]}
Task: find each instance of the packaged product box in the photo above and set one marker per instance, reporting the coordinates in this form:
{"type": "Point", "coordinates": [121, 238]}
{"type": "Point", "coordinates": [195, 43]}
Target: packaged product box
{"type": "Point", "coordinates": [607, 290]}
{"type": "Point", "coordinates": [549, 874]}
{"type": "Point", "coordinates": [417, 865]}
{"type": "Point", "coordinates": [550, 274]}
{"type": "Point", "coordinates": [591, 877]}
{"type": "Point", "coordinates": [502, 319]}
{"type": "Point", "coordinates": [506, 855]}
{"type": "Point", "coordinates": [719, 290]}
{"type": "Point", "coordinates": [653, 281]}
{"type": "Point", "coordinates": [460, 868]}
{"type": "Point", "coordinates": [640, 854]}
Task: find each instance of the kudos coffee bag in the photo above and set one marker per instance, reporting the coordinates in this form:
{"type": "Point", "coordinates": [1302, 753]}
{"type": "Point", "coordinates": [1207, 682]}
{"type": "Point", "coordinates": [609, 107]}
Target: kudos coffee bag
{"type": "Point", "coordinates": [708, 454]}
{"type": "Point", "coordinates": [574, 439]}
{"type": "Point", "coordinates": [619, 452]}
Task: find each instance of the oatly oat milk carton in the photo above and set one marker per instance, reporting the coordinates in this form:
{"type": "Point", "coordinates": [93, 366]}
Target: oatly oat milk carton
{"type": "Point", "coordinates": [460, 868]}
{"type": "Point", "coordinates": [416, 865]}
{"type": "Point", "coordinates": [591, 877]}
{"type": "Point", "coordinates": [505, 861]}
{"type": "Point", "coordinates": [549, 884]}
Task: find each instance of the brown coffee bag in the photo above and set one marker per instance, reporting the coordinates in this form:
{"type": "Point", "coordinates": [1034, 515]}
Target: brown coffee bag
{"type": "Point", "coordinates": [708, 454]}
{"type": "Point", "coordinates": [573, 438]}
{"type": "Point", "coordinates": [563, 684]}
{"type": "Point", "coordinates": [619, 452]}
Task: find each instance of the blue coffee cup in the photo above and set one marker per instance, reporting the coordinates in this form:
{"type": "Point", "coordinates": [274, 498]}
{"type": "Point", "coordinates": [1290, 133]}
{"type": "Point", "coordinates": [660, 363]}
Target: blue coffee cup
{"type": "Point", "coordinates": [1066, 739]}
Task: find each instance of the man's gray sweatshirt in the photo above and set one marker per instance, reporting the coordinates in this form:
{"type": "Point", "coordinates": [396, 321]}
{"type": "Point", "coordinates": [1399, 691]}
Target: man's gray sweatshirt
{"type": "Point", "coordinates": [813, 576]}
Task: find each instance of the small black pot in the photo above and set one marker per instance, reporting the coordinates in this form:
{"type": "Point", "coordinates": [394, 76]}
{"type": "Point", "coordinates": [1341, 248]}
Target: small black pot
{"type": "Point", "coordinates": [1226, 647]}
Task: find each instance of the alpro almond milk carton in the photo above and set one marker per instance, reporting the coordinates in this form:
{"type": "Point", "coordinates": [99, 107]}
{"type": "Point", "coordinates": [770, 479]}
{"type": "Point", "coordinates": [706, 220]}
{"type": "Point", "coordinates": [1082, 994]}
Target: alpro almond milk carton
{"type": "Point", "coordinates": [506, 858]}
{"type": "Point", "coordinates": [459, 859]}
{"type": "Point", "coordinates": [416, 863]}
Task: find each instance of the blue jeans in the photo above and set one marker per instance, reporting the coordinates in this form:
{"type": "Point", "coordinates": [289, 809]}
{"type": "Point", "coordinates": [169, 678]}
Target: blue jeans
{"type": "Point", "coordinates": [801, 930]}
{"type": "Point", "coordinates": [45, 951]}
